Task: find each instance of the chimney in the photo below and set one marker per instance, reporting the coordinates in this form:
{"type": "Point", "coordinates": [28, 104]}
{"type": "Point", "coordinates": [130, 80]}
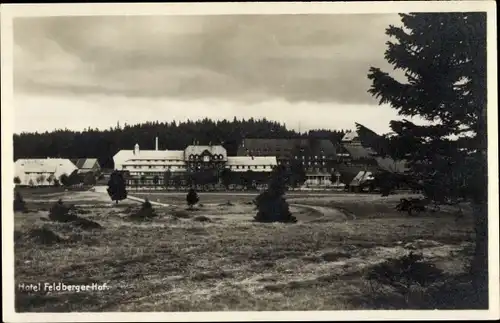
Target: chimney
{"type": "Point", "coordinates": [156, 143]}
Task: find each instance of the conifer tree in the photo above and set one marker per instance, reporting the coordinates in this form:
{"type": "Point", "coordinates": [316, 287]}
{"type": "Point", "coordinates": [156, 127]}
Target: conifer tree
{"type": "Point", "coordinates": [443, 57]}
{"type": "Point", "coordinates": [116, 187]}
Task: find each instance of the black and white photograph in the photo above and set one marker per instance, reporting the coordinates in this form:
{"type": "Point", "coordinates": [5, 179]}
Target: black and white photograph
{"type": "Point", "coordinates": [209, 159]}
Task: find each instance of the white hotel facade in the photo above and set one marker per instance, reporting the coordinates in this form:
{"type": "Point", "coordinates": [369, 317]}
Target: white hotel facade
{"type": "Point", "coordinates": [150, 163]}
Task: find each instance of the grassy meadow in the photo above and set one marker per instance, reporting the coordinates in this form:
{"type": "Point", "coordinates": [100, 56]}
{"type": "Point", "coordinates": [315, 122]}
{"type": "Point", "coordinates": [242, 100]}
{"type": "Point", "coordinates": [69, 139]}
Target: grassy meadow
{"type": "Point", "coordinates": [215, 258]}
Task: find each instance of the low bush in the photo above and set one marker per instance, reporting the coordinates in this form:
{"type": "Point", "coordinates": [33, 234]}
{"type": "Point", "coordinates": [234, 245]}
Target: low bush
{"type": "Point", "coordinates": [146, 211]}
{"type": "Point", "coordinates": [201, 218]}
{"type": "Point", "coordinates": [192, 198]}
{"type": "Point", "coordinates": [271, 204]}
{"type": "Point", "coordinates": [404, 273]}
{"type": "Point", "coordinates": [40, 236]}
{"type": "Point", "coordinates": [19, 203]}
{"type": "Point", "coordinates": [62, 213]}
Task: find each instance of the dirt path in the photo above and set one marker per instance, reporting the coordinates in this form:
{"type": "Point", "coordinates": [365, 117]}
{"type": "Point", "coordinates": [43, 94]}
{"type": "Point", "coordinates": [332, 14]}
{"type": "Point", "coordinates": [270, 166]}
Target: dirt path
{"type": "Point", "coordinates": [327, 212]}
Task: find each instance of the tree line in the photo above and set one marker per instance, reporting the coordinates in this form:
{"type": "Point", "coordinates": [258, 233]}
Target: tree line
{"type": "Point", "coordinates": [104, 144]}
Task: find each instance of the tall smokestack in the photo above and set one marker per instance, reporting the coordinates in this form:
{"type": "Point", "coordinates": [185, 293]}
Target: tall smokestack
{"type": "Point", "coordinates": [156, 143]}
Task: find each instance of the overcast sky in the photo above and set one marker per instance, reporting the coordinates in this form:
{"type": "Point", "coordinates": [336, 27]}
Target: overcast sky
{"type": "Point", "coordinates": [311, 70]}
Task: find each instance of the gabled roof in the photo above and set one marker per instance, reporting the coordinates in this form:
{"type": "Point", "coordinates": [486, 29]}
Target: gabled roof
{"type": "Point", "coordinates": [285, 147]}
{"type": "Point", "coordinates": [85, 163]}
{"type": "Point", "coordinates": [322, 146]}
{"type": "Point", "coordinates": [350, 136]}
{"type": "Point", "coordinates": [199, 149]}
{"type": "Point", "coordinates": [269, 145]}
{"type": "Point", "coordinates": [125, 155]}
{"type": "Point", "coordinates": [358, 151]}
{"type": "Point", "coordinates": [43, 165]}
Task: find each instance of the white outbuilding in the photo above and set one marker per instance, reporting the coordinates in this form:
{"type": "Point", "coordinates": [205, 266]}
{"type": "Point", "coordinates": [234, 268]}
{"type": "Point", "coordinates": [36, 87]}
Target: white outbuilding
{"type": "Point", "coordinates": [42, 171]}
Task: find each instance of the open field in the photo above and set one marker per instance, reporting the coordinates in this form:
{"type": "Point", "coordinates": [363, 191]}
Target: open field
{"type": "Point", "coordinates": [215, 258]}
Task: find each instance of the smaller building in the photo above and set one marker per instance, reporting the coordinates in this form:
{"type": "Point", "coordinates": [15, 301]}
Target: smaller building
{"type": "Point", "coordinates": [87, 165]}
{"type": "Point", "coordinates": [42, 172]}
{"type": "Point", "coordinates": [318, 179]}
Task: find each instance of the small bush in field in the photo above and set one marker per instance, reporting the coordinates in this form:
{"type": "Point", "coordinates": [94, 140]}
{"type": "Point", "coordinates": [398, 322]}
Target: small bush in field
{"type": "Point", "coordinates": [201, 218]}
{"type": "Point", "coordinates": [271, 204]}
{"type": "Point", "coordinates": [62, 213]}
{"type": "Point", "coordinates": [145, 212]}
{"type": "Point", "coordinates": [19, 204]}
{"type": "Point", "coordinates": [192, 198]}
{"type": "Point", "coordinates": [405, 272]}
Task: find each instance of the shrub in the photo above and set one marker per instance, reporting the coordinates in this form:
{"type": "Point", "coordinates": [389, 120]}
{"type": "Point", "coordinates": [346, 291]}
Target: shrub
{"type": "Point", "coordinates": [271, 205]}
{"type": "Point", "coordinates": [405, 272]}
{"type": "Point", "coordinates": [201, 218]}
{"type": "Point", "coordinates": [64, 180]}
{"type": "Point", "coordinates": [44, 236]}
{"type": "Point", "coordinates": [411, 206]}
{"type": "Point", "coordinates": [192, 198]}
{"type": "Point", "coordinates": [62, 213]}
{"type": "Point", "coordinates": [145, 212]}
{"type": "Point", "coordinates": [89, 179]}
{"type": "Point", "coordinates": [86, 224]}
{"type": "Point", "coordinates": [19, 204]}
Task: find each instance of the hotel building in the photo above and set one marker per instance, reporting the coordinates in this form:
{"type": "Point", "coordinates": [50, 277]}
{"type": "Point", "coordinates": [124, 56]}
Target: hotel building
{"type": "Point", "coordinates": [148, 164]}
{"type": "Point", "coordinates": [317, 156]}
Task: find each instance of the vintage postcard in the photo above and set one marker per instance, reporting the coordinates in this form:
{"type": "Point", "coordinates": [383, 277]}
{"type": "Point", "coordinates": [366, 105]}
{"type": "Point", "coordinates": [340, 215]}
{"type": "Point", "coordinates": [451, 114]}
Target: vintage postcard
{"type": "Point", "coordinates": [249, 161]}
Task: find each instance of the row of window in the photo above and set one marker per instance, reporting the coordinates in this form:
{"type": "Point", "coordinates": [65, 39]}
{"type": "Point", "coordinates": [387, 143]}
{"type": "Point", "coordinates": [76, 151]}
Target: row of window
{"type": "Point", "coordinates": [39, 173]}
{"type": "Point", "coordinates": [286, 162]}
{"type": "Point", "coordinates": [156, 160]}
{"type": "Point", "coordinates": [125, 167]}
{"type": "Point", "coordinates": [161, 174]}
{"type": "Point", "coordinates": [150, 167]}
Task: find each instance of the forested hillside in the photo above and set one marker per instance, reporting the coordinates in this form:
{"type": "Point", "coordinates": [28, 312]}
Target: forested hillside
{"type": "Point", "coordinates": [103, 144]}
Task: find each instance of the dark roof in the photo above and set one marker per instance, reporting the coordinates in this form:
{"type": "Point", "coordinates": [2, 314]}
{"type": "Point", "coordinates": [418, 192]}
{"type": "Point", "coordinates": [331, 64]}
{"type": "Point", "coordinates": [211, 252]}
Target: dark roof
{"type": "Point", "coordinates": [325, 146]}
{"type": "Point", "coordinates": [286, 147]}
{"type": "Point", "coordinates": [358, 151]}
{"type": "Point", "coordinates": [84, 163]}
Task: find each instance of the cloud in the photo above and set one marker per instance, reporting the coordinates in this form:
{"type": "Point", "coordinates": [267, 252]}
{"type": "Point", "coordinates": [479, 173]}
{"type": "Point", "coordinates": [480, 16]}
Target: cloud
{"type": "Point", "coordinates": [247, 58]}
{"type": "Point", "coordinates": [104, 111]}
